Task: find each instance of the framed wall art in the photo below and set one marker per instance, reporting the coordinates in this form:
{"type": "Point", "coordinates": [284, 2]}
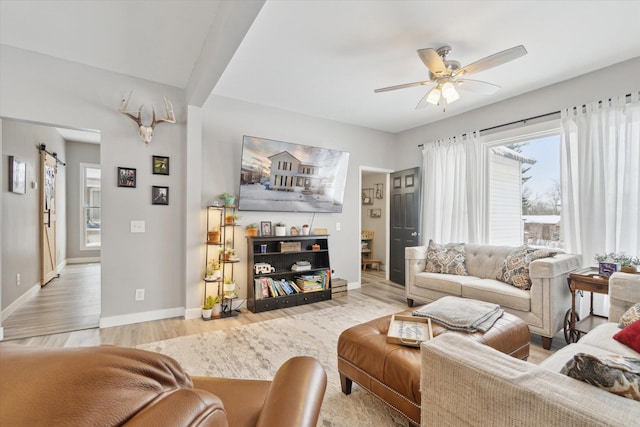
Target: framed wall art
{"type": "Point", "coordinates": [160, 165]}
{"type": "Point", "coordinates": [17, 176]}
{"type": "Point", "coordinates": [375, 213]}
{"type": "Point", "coordinates": [126, 177]}
{"type": "Point", "coordinates": [265, 228]}
{"type": "Point", "coordinates": [159, 195]}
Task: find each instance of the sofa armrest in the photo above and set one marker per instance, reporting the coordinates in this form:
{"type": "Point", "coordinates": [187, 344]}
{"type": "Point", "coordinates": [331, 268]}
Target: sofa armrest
{"type": "Point", "coordinates": [624, 291]}
{"type": "Point", "coordinates": [551, 267]}
{"type": "Point", "coordinates": [415, 259]}
{"type": "Point", "coordinates": [464, 383]}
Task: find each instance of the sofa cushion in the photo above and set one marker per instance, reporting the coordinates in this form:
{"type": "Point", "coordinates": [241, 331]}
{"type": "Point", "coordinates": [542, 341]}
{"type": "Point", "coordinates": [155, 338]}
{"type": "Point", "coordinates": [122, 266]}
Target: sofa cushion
{"type": "Point", "coordinates": [449, 283]}
{"type": "Point", "coordinates": [515, 268]}
{"type": "Point", "coordinates": [618, 374]}
{"type": "Point", "coordinates": [491, 290]}
{"type": "Point", "coordinates": [485, 261]}
{"type": "Point", "coordinates": [630, 316]}
{"type": "Point", "coordinates": [630, 336]}
{"type": "Point", "coordinates": [602, 336]}
{"type": "Point", "coordinates": [448, 259]}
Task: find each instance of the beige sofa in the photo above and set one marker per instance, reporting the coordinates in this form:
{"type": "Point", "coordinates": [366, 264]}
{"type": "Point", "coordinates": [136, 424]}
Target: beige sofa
{"type": "Point", "coordinates": [542, 307]}
{"type": "Point", "coordinates": [477, 385]}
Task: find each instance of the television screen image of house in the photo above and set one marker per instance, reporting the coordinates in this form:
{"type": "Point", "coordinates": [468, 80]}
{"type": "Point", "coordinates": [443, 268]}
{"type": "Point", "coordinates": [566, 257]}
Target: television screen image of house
{"type": "Point", "coordinates": [287, 177]}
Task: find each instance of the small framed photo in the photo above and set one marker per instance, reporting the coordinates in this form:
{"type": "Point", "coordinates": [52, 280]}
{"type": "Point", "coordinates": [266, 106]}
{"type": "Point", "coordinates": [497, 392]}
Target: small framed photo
{"type": "Point", "coordinates": [17, 176]}
{"type": "Point", "coordinates": [376, 213]}
{"type": "Point", "coordinates": [159, 195]}
{"type": "Point", "coordinates": [160, 165]}
{"type": "Point", "coordinates": [265, 228]}
{"type": "Point", "coordinates": [126, 177]}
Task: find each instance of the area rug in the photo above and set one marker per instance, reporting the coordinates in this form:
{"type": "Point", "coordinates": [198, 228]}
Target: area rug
{"type": "Point", "coordinates": [256, 351]}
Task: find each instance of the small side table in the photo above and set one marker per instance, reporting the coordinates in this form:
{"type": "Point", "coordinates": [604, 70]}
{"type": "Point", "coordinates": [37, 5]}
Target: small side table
{"type": "Point", "coordinates": [585, 280]}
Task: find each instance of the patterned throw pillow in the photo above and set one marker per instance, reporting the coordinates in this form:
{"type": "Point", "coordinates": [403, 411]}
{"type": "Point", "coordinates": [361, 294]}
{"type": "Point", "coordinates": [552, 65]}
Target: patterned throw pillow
{"type": "Point", "coordinates": [629, 336]}
{"type": "Point", "coordinates": [515, 268]}
{"type": "Point", "coordinates": [630, 315]}
{"type": "Point", "coordinates": [447, 259]}
{"type": "Point", "coordinates": [617, 374]}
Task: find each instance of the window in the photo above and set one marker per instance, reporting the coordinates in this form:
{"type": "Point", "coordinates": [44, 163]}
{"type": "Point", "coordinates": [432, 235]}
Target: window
{"type": "Point", "coordinates": [524, 187]}
{"type": "Point", "coordinates": [90, 206]}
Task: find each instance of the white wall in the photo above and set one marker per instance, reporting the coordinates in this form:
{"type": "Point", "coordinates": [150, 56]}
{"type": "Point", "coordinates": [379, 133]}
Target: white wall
{"type": "Point", "coordinates": [225, 121]}
{"type": "Point", "coordinates": [47, 90]}
{"type": "Point", "coordinates": [21, 218]}
{"type": "Point", "coordinates": [618, 79]}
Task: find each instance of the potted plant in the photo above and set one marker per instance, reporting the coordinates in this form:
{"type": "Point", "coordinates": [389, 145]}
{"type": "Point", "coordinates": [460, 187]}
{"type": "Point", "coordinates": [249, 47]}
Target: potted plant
{"type": "Point", "coordinates": [213, 236]}
{"type": "Point", "coordinates": [229, 254]}
{"type": "Point", "coordinates": [305, 230]}
{"type": "Point", "coordinates": [207, 308]}
{"type": "Point", "coordinates": [228, 198]}
{"type": "Point", "coordinates": [280, 229]}
{"type": "Point", "coordinates": [213, 270]}
{"type": "Point", "coordinates": [626, 263]}
{"type": "Point", "coordinates": [217, 306]}
{"type": "Point", "coordinates": [252, 229]}
{"type": "Point", "coordinates": [229, 288]}
{"type": "Point", "coordinates": [230, 219]}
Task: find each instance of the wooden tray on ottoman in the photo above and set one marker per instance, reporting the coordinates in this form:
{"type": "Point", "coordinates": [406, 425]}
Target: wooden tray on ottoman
{"type": "Point", "coordinates": [409, 330]}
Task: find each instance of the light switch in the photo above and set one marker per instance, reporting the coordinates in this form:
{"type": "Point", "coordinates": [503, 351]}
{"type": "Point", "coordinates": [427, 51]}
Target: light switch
{"type": "Point", "coordinates": [137, 226]}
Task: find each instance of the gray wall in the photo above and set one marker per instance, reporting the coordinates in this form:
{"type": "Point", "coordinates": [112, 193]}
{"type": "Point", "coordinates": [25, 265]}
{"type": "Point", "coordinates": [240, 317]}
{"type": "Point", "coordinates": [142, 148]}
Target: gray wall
{"type": "Point", "coordinates": [77, 152]}
{"type": "Point", "coordinates": [20, 212]}
{"type": "Point", "coordinates": [225, 121]}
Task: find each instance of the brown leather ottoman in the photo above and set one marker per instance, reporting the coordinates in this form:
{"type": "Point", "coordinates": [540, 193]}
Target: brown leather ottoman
{"type": "Point", "coordinates": [392, 372]}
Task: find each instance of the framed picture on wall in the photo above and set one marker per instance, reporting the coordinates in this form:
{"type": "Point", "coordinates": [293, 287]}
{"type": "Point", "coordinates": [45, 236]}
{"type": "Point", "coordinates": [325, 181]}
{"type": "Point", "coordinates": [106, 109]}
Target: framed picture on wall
{"type": "Point", "coordinates": [18, 176]}
{"type": "Point", "coordinates": [160, 165]}
{"type": "Point", "coordinates": [159, 195]}
{"type": "Point", "coordinates": [126, 177]}
{"type": "Point", "coordinates": [375, 213]}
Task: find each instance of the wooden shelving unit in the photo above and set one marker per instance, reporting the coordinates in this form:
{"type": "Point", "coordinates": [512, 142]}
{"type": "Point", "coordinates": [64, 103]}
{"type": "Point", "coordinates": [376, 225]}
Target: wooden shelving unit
{"type": "Point", "coordinates": [282, 263]}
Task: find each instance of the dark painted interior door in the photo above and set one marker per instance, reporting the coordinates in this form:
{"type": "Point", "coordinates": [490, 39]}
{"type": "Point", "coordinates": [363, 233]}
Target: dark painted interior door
{"type": "Point", "coordinates": [406, 194]}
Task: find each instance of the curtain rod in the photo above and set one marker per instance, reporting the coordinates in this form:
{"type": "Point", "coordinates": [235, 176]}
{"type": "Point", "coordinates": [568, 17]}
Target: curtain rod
{"type": "Point", "coordinates": [627, 96]}
{"type": "Point", "coordinates": [43, 147]}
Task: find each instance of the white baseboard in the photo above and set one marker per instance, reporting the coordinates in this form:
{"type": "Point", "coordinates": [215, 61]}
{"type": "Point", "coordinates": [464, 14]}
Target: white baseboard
{"type": "Point", "coordinates": [85, 260]}
{"type": "Point", "coordinates": [61, 265]}
{"type": "Point", "coordinates": [1, 333]}
{"type": "Point", "coordinates": [128, 319]}
{"type": "Point", "coordinates": [354, 285]}
{"type": "Point", "coordinates": [194, 313]}
{"type": "Point", "coordinates": [22, 299]}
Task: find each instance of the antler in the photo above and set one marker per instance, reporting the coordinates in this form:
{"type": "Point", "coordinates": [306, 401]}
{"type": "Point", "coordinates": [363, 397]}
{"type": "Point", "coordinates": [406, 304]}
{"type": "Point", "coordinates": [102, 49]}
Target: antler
{"type": "Point", "coordinates": [146, 132]}
{"type": "Point", "coordinates": [171, 118]}
{"type": "Point", "coordinates": [124, 103]}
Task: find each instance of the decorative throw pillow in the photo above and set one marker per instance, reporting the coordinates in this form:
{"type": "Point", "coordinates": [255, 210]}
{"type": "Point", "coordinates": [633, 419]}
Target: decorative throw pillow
{"type": "Point", "coordinates": [630, 336]}
{"type": "Point", "coordinates": [515, 268]}
{"type": "Point", "coordinates": [447, 259]}
{"type": "Point", "coordinates": [631, 315]}
{"type": "Point", "coordinates": [618, 374]}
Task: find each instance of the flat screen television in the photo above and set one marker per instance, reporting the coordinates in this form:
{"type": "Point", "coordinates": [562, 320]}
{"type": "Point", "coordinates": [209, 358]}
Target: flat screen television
{"type": "Point", "coordinates": [286, 177]}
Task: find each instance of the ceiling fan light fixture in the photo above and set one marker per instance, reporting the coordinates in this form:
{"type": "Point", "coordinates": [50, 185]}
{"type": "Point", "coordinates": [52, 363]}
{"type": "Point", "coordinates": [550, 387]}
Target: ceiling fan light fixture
{"type": "Point", "coordinates": [449, 92]}
{"type": "Point", "coordinates": [433, 97]}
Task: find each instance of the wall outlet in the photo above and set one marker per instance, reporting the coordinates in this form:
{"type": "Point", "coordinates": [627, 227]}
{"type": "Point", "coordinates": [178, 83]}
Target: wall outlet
{"type": "Point", "coordinates": [338, 226]}
{"type": "Point", "coordinates": [18, 279]}
{"type": "Point", "coordinates": [137, 226]}
{"type": "Point", "coordinates": [139, 294]}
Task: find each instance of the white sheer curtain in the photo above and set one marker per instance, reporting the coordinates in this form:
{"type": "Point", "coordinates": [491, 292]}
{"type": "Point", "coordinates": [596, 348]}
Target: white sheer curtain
{"type": "Point", "coordinates": [453, 190]}
{"type": "Point", "coordinates": [600, 179]}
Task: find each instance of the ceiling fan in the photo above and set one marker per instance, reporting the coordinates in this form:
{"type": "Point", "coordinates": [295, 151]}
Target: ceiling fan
{"type": "Point", "coordinates": [448, 76]}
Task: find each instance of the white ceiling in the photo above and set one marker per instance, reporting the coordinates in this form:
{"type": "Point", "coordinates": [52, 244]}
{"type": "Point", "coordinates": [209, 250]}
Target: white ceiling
{"type": "Point", "coordinates": [325, 58]}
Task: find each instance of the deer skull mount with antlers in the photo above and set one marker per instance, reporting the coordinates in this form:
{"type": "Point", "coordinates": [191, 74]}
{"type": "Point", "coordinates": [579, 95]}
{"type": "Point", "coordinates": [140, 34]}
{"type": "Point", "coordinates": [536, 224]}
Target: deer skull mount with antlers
{"type": "Point", "coordinates": [146, 132]}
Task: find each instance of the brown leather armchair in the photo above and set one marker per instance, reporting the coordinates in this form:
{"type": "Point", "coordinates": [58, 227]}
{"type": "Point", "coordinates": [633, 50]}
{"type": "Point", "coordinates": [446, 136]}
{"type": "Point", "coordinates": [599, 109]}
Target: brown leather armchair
{"type": "Point", "coordinates": [106, 386]}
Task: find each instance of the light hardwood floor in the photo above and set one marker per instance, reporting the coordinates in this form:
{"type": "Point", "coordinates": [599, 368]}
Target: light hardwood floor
{"type": "Point", "coordinates": [373, 286]}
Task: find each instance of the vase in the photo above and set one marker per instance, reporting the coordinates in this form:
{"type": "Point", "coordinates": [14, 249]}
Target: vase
{"type": "Point", "coordinates": [305, 231]}
{"type": "Point", "coordinates": [206, 313]}
{"type": "Point", "coordinates": [252, 232]}
{"type": "Point", "coordinates": [213, 236]}
{"type": "Point", "coordinates": [280, 230]}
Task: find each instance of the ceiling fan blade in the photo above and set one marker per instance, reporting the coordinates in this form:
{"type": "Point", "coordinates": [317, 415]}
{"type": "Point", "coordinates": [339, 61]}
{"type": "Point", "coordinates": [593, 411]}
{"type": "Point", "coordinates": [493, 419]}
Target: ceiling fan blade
{"type": "Point", "coordinates": [477, 86]}
{"type": "Point", "coordinates": [492, 60]}
{"type": "Point", "coordinates": [406, 85]}
{"type": "Point", "coordinates": [432, 60]}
